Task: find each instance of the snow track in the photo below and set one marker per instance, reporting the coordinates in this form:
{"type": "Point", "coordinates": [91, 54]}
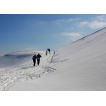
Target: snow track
{"type": "Point", "coordinates": [25, 71]}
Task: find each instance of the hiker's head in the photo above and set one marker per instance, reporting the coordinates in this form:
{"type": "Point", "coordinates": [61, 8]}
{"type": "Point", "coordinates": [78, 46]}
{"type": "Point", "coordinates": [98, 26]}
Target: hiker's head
{"type": "Point", "coordinates": [35, 54]}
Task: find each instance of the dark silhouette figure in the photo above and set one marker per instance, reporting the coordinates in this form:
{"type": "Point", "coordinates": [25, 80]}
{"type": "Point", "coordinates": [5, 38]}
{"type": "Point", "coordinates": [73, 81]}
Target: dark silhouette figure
{"type": "Point", "coordinates": [38, 59]}
{"type": "Point", "coordinates": [34, 59]}
{"type": "Point", "coordinates": [48, 50]}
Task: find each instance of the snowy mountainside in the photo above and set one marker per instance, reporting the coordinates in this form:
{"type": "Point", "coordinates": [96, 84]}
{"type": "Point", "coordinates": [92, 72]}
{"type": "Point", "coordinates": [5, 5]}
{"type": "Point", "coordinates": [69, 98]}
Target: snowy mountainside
{"type": "Point", "coordinates": [85, 62]}
{"type": "Point", "coordinates": [23, 69]}
{"type": "Point", "coordinates": [90, 47]}
{"type": "Point", "coordinates": [79, 66]}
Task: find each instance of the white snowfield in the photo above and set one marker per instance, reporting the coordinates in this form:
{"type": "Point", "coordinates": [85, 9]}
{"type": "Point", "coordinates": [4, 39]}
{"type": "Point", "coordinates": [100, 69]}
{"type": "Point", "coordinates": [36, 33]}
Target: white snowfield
{"type": "Point", "coordinates": [79, 66]}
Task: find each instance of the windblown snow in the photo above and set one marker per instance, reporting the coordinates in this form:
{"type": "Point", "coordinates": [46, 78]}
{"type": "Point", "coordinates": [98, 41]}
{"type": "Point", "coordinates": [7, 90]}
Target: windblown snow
{"type": "Point", "coordinates": [79, 66]}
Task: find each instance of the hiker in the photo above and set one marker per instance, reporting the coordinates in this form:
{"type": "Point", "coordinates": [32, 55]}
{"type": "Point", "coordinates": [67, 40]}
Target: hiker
{"type": "Point", "coordinates": [38, 58]}
{"type": "Point", "coordinates": [34, 59]}
{"type": "Point", "coordinates": [46, 52]}
{"type": "Point", "coordinates": [49, 50]}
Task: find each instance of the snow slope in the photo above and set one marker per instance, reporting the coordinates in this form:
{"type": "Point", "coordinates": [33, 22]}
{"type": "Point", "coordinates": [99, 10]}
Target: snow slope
{"type": "Point", "coordinates": [79, 66]}
{"type": "Point", "coordinates": [14, 67]}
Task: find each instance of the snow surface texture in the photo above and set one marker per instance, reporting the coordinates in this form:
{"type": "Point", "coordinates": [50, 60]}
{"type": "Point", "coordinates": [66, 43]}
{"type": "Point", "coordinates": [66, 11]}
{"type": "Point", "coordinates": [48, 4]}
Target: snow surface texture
{"type": "Point", "coordinates": [79, 66]}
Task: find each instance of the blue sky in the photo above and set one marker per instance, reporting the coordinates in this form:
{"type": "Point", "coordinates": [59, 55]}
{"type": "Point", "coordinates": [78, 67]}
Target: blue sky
{"type": "Point", "coordinates": [37, 32]}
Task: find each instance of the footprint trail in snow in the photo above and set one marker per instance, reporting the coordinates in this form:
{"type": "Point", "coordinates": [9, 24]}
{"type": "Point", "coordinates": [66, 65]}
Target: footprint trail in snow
{"type": "Point", "coordinates": [25, 71]}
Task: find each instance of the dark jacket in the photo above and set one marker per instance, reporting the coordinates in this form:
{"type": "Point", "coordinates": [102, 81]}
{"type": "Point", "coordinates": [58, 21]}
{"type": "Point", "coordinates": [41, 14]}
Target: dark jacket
{"type": "Point", "coordinates": [39, 56]}
{"type": "Point", "coordinates": [49, 50]}
{"type": "Point", "coordinates": [34, 57]}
